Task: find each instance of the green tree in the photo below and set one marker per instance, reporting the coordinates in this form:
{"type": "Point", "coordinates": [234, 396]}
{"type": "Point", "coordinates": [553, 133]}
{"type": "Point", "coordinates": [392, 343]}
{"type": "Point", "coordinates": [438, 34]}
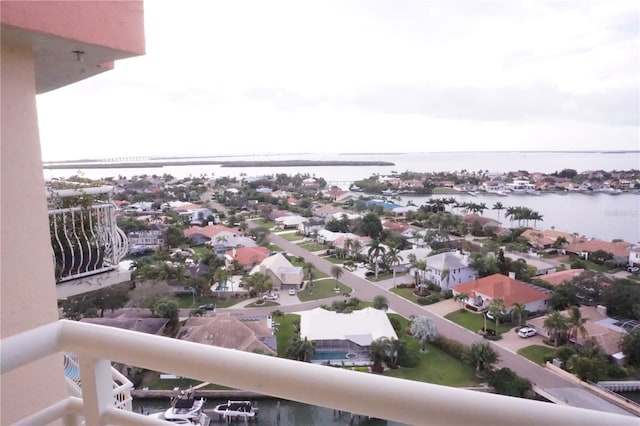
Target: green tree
{"type": "Point", "coordinates": [379, 351]}
{"type": "Point", "coordinates": [630, 345]}
{"type": "Point", "coordinates": [483, 357]}
{"type": "Point", "coordinates": [174, 236]}
{"type": "Point", "coordinates": [519, 311]}
{"type": "Point", "coordinates": [576, 323]}
{"type": "Point", "coordinates": [556, 325]}
{"type": "Point", "coordinates": [498, 206]}
{"type": "Point", "coordinates": [380, 302]}
{"type": "Point", "coordinates": [308, 267]}
{"type": "Point", "coordinates": [167, 308]}
{"type": "Point", "coordinates": [506, 382]}
{"type": "Point", "coordinates": [376, 251]}
{"type": "Point", "coordinates": [445, 276]}
{"type": "Point", "coordinates": [496, 307]}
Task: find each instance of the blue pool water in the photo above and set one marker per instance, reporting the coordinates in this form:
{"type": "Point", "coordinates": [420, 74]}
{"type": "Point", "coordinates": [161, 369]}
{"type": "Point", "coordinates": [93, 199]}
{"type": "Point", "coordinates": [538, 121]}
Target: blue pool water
{"type": "Point", "coordinates": [321, 356]}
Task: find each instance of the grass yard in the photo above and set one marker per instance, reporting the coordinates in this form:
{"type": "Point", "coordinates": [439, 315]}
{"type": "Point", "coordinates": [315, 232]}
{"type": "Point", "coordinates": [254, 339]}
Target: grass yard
{"type": "Point", "coordinates": [312, 246]}
{"type": "Point", "coordinates": [262, 303]}
{"type": "Point", "coordinates": [152, 380]}
{"type": "Point", "coordinates": [286, 330]}
{"type": "Point", "coordinates": [291, 236]}
{"type": "Point", "coordinates": [273, 247]}
{"type": "Point", "coordinates": [264, 223]}
{"type": "Point", "coordinates": [322, 289]}
{"type": "Point", "coordinates": [202, 250]}
{"type": "Point", "coordinates": [334, 260]}
{"type": "Point", "coordinates": [407, 293]}
{"type": "Point", "coordinates": [475, 322]}
{"type": "Point", "coordinates": [536, 353]}
{"type": "Point", "coordinates": [186, 301]}
{"type": "Point", "coordinates": [437, 367]}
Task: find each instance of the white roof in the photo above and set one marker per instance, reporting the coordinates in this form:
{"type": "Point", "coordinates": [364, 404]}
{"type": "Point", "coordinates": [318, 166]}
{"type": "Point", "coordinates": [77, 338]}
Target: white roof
{"type": "Point", "coordinates": [361, 327]}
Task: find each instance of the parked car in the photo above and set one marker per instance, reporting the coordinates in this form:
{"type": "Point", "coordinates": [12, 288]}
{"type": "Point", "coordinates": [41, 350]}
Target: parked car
{"type": "Point", "coordinates": [292, 292]}
{"type": "Point", "coordinates": [633, 268]}
{"type": "Point", "coordinates": [208, 307]}
{"type": "Point", "coordinates": [270, 297]}
{"type": "Point", "coordinates": [526, 332]}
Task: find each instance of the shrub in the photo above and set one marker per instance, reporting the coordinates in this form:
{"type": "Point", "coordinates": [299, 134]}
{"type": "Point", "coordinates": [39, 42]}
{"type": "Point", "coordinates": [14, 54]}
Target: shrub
{"type": "Point", "coordinates": [409, 359]}
{"type": "Point", "coordinates": [422, 301]}
{"type": "Point", "coordinates": [506, 382]}
{"type": "Point", "coordinates": [434, 287]}
{"type": "Point", "coordinates": [616, 372]}
{"type": "Point", "coordinates": [277, 313]}
{"type": "Point", "coordinates": [447, 294]}
{"type": "Point", "coordinates": [395, 323]}
{"type": "Point", "coordinates": [452, 347]}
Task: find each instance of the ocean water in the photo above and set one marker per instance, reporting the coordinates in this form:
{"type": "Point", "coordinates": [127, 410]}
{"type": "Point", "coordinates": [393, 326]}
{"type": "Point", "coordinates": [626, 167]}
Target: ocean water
{"type": "Point", "coordinates": [600, 216]}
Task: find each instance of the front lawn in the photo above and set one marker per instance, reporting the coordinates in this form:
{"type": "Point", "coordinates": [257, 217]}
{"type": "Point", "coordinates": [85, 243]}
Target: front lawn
{"type": "Point", "coordinates": [334, 260]}
{"type": "Point", "coordinates": [312, 246]}
{"type": "Point", "coordinates": [262, 303]}
{"type": "Point", "coordinates": [475, 322]}
{"type": "Point", "coordinates": [291, 236]}
{"type": "Point", "coordinates": [536, 353]}
{"type": "Point", "coordinates": [322, 289]}
{"type": "Point", "coordinates": [437, 367]}
{"type": "Point", "coordinates": [407, 293]}
{"type": "Point", "coordinates": [286, 330]}
{"type": "Point", "coordinates": [264, 223]}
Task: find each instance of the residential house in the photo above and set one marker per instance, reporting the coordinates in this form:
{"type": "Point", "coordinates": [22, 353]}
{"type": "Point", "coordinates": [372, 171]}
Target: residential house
{"type": "Point", "coordinates": [249, 334]}
{"type": "Point", "coordinates": [488, 225]}
{"type": "Point", "coordinates": [634, 256]}
{"type": "Point", "coordinates": [247, 257]}
{"type": "Point", "coordinates": [283, 274]}
{"type": "Point", "coordinates": [561, 277]}
{"type": "Point", "coordinates": [598, 326]}
{"type": "Point", "coordinates": [203, 234]}
{"type": "Point", "coordinates": [311, 226]}
{"type": "Point", "coordinates": [150, 238]}
{"type": "Point", "coordinates": [455, 263]}
{"type": "Point", "coordinates": [541, 265]}
{"type": "Point", "coordinates": [583, 248]}
{"type": "Point", "coordinates": [328, 210]}
{"type": "Point", "coordinates": [483, 290]}
{"type": "Point", "coordinates": [141, 325]}
{"type": "Point", "coordinates": [291, 221]}
{"type": "Point", "coordinates": [227, 240]}
{"type": "Point", "coordinates": [349, 334]}
{"type": "Point", "coordinates": [544, 240]}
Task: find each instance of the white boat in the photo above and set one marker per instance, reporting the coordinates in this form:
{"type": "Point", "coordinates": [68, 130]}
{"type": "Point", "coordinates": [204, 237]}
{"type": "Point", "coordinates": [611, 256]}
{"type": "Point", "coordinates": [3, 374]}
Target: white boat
{"type": "Point", "coordinates": [242, 409]}
{"type": "Point", "coordinates": [185, 410]}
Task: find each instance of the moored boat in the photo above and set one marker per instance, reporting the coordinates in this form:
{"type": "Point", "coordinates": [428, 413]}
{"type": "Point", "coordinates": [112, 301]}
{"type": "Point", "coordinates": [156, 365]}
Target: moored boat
{"type": "Point", "coordinates": [185, 410]}
{"type": "Point", "coordinates": [242, 409]}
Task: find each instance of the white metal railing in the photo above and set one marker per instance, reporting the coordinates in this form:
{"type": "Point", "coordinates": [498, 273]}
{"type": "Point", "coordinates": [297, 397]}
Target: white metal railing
{"type": "Point", "coordinates": [372, 395]}
{"type": "Point", "coordinates": [122, 386]}
{"type": "Point", "coordinates": [85, 239]}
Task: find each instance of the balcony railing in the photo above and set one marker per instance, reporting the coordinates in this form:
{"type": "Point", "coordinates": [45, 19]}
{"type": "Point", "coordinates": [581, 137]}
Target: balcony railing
{"type": "Point", "coordinates": [371, 395]}
{"type": "Point", "coordinates": [85, 239]}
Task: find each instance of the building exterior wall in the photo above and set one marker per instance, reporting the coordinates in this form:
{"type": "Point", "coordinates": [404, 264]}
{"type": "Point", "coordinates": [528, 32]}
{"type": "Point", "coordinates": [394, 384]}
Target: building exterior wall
{"type": "Point", "coordinates": [28, 292]}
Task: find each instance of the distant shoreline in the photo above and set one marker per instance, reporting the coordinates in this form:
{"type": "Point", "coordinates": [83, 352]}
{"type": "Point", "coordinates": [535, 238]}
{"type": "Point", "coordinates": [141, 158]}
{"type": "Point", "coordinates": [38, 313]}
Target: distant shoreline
{"type": "Point", "coordinates": [254, 163]}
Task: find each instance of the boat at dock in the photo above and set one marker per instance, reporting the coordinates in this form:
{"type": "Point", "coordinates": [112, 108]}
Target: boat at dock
{"type": "Point", "coordinates": [236, 409]}
{"type": "Point", "coordinates": [185, 410]}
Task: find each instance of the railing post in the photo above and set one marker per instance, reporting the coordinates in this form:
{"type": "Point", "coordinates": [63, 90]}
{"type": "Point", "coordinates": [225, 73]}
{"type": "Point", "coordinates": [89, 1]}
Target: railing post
{"type": "Point", "coordinates": [97, 388]}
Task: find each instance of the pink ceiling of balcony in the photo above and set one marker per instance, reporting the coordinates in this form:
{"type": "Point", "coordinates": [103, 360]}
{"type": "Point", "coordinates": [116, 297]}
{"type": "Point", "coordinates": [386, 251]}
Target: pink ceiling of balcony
{"type": "Point", "coordinates": [73, 40]}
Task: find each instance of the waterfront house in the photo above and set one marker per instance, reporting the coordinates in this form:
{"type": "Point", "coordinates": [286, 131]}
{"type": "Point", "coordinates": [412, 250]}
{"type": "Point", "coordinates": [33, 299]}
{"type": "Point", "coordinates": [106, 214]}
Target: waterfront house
{"type": "Point", "coordinates": [510, 290]}
{"type": "Point", "coordinates": [249, 334]}
{"type": "Point", "coordinates": [283, 275]}
{"type": "Point", "coordinates": [488, 225]}
{"type": "Point", "coordinates": [349, 335]}
{"type": "Point", "coordinates": [583, 248]}
{"type": "Point", "coordinates": [544, 240]}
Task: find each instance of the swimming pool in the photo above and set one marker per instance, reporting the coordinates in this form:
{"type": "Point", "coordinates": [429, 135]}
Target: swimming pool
{"type": "Point", "coordinates": [323, 356]}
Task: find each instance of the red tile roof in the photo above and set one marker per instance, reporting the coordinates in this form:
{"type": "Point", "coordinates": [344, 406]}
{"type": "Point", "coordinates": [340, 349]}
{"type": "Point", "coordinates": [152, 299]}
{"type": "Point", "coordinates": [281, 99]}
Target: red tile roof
{"type": "Point", "coordinates": [498, 285]}
{"type": "Point", "coordinates": [617, 249]}
{"type": "Point", "coordinates": [558, 278]}
{"type": "Point", "coordinates": [248, 255]}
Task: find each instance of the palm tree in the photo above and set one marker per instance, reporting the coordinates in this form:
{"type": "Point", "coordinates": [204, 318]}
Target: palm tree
{"type": "Point", "coordinates": [559, 242]}
{"type": "Point", "coordinates": [379, 350]}
{"type": "Point", "coordinates": [576, 324]}
{"type": "Point", "coordinates": [519, 311]}
{"type": "Point", "coordinates": [308, 267]}
{"type": "Point", "coordinates": [348, 246]}
{"type": "Point", "coordinates": [356, 248]}
{"type": "Point", "coordinates": [376, 250]}
{"type": "Point", "coordinates": [556, 324]}
{"type": "Point", "coordinates": [498, 206]}
{"type": "Point", "coordinates": [496, 307]}
{"type": "Point", "coordinates": [306, 350]}
{"type": "Point", "coordinates": [398, 346]}
{"type": "Point", "coordinates": [462, 298]}
{"type": "Point", "coordinates": [381, 303]}
{"type": "Point", "coordinates": [446, 274]}
{"type": "Point", "coordinates": [482, 355]}
{"type": "Point", "coordinates": [336, 272]}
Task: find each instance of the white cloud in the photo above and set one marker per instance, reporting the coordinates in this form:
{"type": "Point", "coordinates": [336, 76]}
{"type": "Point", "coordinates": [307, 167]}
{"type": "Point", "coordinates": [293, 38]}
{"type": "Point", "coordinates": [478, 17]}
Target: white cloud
{"type": "Point", "coordinates": [355, 76]}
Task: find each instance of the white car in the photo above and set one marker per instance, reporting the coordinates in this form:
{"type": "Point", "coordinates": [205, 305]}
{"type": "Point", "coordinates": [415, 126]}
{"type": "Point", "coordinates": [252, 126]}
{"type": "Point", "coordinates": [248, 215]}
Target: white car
{"type": "Point", "coordinates": [526, 332]}
{"type": "Point", "coordinates": [292, 292]}
{"type": "Point", "coordinates": [633, 269]}
{"type": "Point", "coordinates": [270, 297]}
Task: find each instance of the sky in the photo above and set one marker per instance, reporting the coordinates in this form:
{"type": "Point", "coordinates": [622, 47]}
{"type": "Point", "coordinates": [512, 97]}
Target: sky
{"type": "Point", "coordinates": [251, 77]}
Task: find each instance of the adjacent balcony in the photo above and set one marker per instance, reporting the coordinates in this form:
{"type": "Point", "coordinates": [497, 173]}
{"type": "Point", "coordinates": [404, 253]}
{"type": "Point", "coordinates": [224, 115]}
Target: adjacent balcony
{"type": "Point", "coordinates": [86, 244]}
{"type": "Point", "coordinates": [360, 393]}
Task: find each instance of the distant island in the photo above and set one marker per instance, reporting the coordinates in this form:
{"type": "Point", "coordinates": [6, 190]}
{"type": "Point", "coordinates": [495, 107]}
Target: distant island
{"type": "Point", "coordinates": [194, 162]}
